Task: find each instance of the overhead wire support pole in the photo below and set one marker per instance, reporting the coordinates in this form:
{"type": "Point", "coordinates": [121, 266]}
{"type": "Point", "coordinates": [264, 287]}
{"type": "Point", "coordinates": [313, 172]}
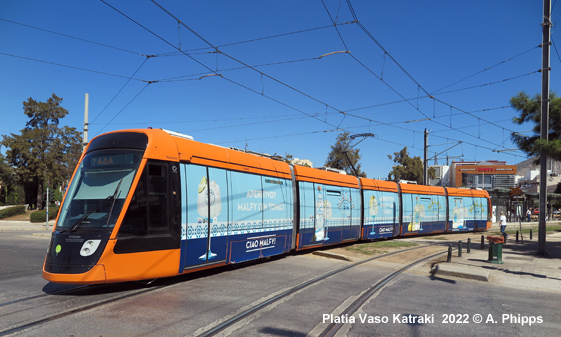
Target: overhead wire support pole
{"type": "Point", "coordinates": [425, 162]}
{"type": "Point", "coordinates": [546, 29]}
{"type": "Point", "coordinates": [86, 124]}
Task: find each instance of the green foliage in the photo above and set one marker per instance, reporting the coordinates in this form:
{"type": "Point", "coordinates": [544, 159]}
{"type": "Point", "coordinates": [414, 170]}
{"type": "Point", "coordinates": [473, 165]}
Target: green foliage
{"type": "Point", "coordinates": [337, 158]}
{"type": "Point", "coordinates": [40, 216]}
{"type": "Point", "coordinates": [7, 184]}
{"type": "Point", "coordinates": [530, 112]}
{"type": "Point", "coordinates": [43, 154]}
{"type": "Point", "coordinates": [15, 195]}
{"type": "Point", "coordinates": [56, 195]}
{"type": "Point", "coordinates": [408, 168]}
{"type": "Point", "coordinates": [12, 211]}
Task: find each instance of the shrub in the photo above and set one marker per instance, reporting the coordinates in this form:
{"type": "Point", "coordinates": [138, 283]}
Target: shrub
{"type": "Point", "coordinates": [39, 216]}
{"type": "Point", "coordinates": [12, 211]}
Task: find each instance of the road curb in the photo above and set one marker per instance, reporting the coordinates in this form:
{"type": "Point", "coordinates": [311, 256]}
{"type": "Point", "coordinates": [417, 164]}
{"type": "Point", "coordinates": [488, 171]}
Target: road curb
{"type": "Point", "coordinates": [443, 269]}
{"type": "Point", "coordinates": [332, 255]}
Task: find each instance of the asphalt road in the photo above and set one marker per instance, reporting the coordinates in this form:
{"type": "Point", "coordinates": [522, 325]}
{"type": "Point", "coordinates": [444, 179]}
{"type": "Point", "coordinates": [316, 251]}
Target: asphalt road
{"type": "Point", "coordinates": [21, 254]}
{"type": "Point", "coordinates": [188, 305]}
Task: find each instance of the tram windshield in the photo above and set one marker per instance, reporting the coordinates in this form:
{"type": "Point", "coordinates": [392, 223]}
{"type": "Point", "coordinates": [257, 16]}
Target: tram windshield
{"type": "Point", "coordinates": [97, 193]}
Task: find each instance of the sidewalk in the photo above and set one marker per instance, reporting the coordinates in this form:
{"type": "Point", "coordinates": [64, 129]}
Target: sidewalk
{"type": "Point", "coordinates": [521, 267]}
{"type": "Point", "coordinates": [13, 225]}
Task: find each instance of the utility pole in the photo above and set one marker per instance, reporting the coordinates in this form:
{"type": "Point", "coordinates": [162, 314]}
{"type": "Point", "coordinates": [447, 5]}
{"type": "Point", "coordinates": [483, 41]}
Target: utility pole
{"type": "Point", "coordinates": [86, 107]}
{"type": "Point", "coordinates": [47, 214]}
{"type": "Point", "coordinates": [425, 162]}
{"type": "Point", "coordinates": [546, 28]}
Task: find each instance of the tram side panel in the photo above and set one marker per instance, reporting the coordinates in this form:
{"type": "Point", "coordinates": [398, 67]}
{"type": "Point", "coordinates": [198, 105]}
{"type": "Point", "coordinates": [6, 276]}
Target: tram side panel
{"type": "Point", "coordinates": [467, 210]}
{"type": "Point", "coordinates": [461, 213]}
{"type": "Point", "coordinates": [311, 221]}
{"type": "Point", "coordinates": [329, 214]}
{"type": "Point", "coordinates": [423, 214]}
{"type": "Point", "coordinates": [233, 216]}
{"type": "Point", "coordinates": [381, 214]}
{"type": "Point", "coordinates": [262, 222]}
{"type": "Point", "coordinates": [356, 214]}
{"type": "Point", "coordinates": [205, 218]}
{"type": "Point", "coordinates": [480, 206]}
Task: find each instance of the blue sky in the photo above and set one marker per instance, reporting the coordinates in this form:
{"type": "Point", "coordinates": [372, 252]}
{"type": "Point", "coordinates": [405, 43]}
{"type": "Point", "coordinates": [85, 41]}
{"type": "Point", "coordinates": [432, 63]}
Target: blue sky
{"type": "Point", "coordinates": [269, 88]}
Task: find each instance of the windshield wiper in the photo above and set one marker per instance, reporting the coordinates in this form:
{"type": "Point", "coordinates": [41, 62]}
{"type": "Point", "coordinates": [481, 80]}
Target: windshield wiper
{"type": "Point", "coordinates": [97, 208]}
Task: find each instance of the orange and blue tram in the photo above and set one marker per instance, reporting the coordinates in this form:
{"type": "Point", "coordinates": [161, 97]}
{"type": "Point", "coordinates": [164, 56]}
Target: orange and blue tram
{"type": "Point", "coordinates": [151, 203]}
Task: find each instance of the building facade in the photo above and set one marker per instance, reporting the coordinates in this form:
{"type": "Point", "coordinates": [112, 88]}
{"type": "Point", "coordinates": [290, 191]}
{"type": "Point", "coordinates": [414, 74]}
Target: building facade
{"type": "Point", "coordinates": [485, 174]}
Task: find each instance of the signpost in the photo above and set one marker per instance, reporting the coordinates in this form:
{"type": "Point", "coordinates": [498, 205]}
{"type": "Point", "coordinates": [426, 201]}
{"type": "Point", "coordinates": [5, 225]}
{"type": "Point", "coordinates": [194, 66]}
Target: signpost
{"type": "Point", "coordinates": [516, 193]}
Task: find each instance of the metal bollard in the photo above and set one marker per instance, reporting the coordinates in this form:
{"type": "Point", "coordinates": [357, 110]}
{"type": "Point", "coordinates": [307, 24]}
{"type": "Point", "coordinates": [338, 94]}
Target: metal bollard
{"type": "Point", "coordinates": [460, 248]}
{"type": "Point", "coordinates": [449, 258]}
{"type": "Point", "coordinates": [504, 236]}
{"type": "Point", "coordinates": [530, 234]}
{"type": "Point", "coordinates": [482, 241]}
{"type": "Point", "coordinates": [469, 246]}
{"type": "Point", "coordinates": [516, 236]}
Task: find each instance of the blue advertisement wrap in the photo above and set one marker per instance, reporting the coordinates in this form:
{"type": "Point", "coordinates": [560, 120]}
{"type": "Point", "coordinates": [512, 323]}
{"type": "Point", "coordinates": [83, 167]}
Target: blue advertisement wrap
{"type": "Point", "coordinates": [467, 213]}
{"type": "Point", "coordinates": [423, 213]}
{"type": "Point", "coordinates": [230, 216]}
{"type": "Point", "coordinates": [233, 216]}
{"type": "Point", "coordinates": [381, 214]}
{"type": "Point", "coordinates": [330, 214]}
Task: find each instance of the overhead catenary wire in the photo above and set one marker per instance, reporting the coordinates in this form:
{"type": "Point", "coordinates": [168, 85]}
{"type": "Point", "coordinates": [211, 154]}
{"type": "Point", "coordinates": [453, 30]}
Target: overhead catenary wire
{"type": "Point", "coordinates": [484, 70]}
{"type": "Point", "coordinates": [278, 35]}
{"type": "Point", "coordinates": [243, 63]}
{"type": "Point", "coordinates": [260, 92]}
{"type": "Point", "coordinates": [232, 58]}
{"type": "Point", "coordinates": [74, 37]}
{"type": "Point", "coordinates": [73, 67]}
{"type": "Point", "coordinates": [419, 86]}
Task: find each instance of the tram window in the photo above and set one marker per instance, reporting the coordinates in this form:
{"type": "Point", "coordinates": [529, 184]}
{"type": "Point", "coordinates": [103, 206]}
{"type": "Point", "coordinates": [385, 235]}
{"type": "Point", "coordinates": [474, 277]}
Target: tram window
{"type": "Point", "coordinates": [158, 204]}
{"type": "Point", "coordinates": [148, 212]}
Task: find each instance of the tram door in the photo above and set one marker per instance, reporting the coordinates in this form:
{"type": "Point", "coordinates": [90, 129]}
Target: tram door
{"type": "Point", "coordinates": [337, 213]}
{"type": "Point", "coordinates": [205, 216]}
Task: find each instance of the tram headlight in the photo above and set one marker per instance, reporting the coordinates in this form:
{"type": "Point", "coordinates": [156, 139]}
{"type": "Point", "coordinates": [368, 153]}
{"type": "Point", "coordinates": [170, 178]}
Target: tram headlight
{"type": "Point", "coordinates": [89, 247]}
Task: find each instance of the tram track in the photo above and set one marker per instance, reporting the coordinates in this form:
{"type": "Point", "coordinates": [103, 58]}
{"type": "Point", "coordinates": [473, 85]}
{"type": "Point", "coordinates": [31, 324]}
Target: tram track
{"type": "Point", "coordinates": [26, 324]}
{"type": "Point", "coordinates": [29, 298]}
{"type": "Point", "coordinates": [230, 322]}
{"type": "Point", "coordinates": [333, 328]}
{"type": "Point", "coordinates": [21, 326]}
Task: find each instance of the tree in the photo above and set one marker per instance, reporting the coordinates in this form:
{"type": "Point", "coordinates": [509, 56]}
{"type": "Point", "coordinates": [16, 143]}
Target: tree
{"type": "Point", "coordinates": [8, 186]}
{"type": "Point", "coordinates": [43, 155]}
{"type": "Point", "coordinates": [530, 112]}
{"type": "Point", "coordinates": [408, 168]}
{"type": "Point", "coordinates": [337, 158]}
